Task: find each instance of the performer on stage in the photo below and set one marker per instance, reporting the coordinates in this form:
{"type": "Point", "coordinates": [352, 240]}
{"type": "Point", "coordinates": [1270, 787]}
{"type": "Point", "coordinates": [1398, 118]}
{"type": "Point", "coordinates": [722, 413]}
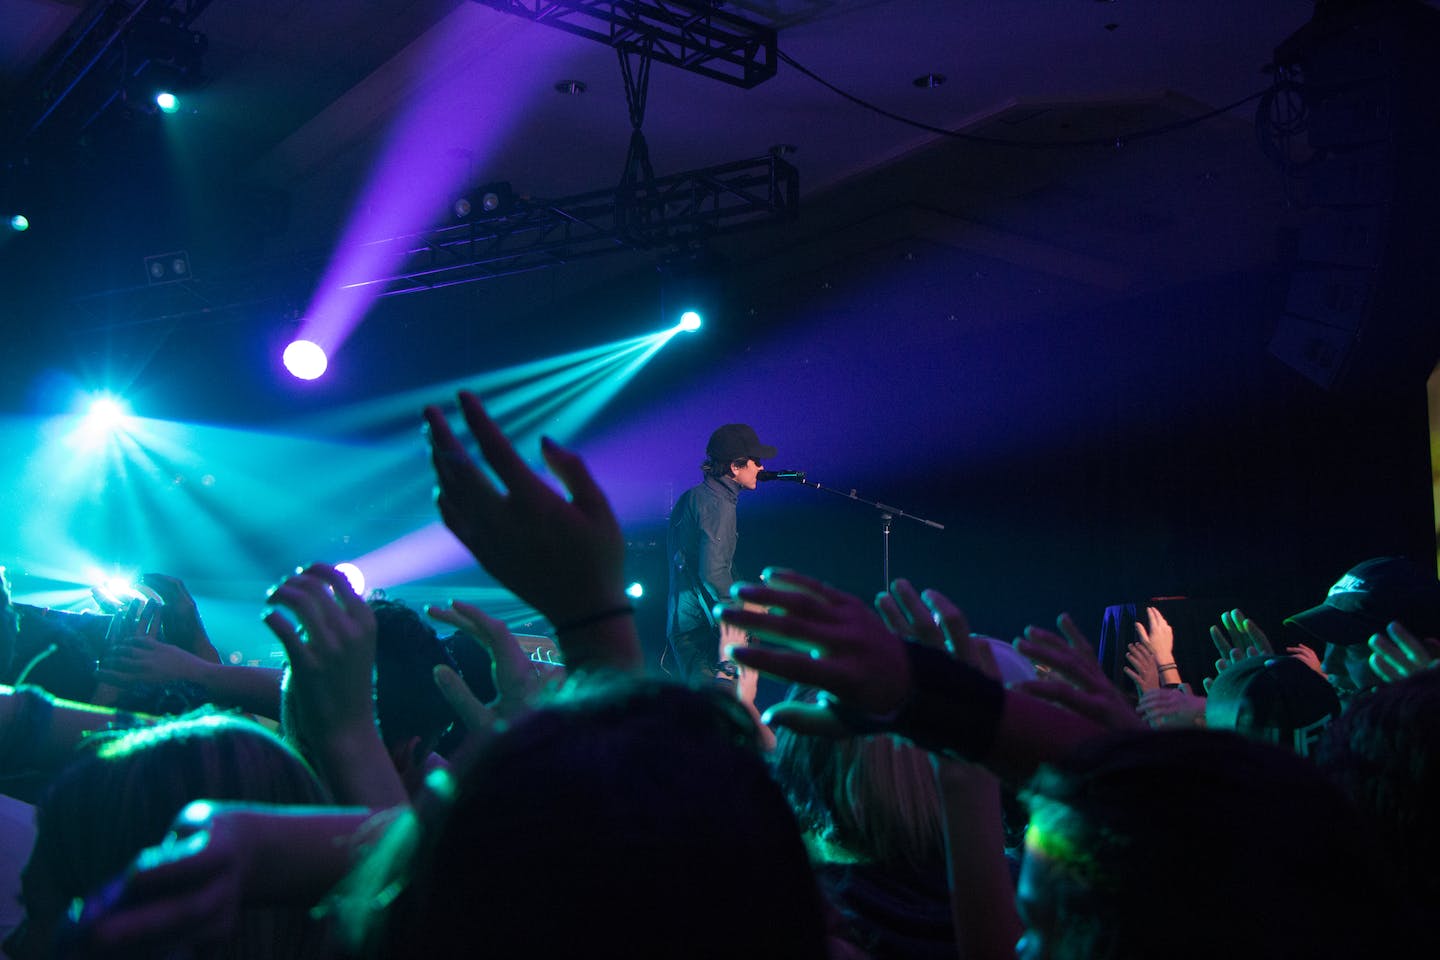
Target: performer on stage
{"type": "Point", "coordinates": [701, 546]}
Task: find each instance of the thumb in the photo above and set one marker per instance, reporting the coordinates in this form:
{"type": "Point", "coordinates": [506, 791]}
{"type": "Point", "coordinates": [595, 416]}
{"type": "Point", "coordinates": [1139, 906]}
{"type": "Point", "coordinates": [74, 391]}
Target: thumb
{"type": "Point", "coordinates": [812, 719]}
{"type": "Point", "coordinates": [474, 714]}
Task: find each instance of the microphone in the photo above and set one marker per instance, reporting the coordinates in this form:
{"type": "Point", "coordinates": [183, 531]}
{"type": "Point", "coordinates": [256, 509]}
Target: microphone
{"type": "Point", "coordinates": [795, 476]}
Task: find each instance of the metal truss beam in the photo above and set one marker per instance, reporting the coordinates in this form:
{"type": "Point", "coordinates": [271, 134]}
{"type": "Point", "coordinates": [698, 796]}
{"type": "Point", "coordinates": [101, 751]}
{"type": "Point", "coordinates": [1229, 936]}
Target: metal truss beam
{"type": "Point", "coordinates": [693, 35]}
{"type": "Point", "coordinates": [671, 211]}
{"type": "Point", "coordinates": [667, 211]}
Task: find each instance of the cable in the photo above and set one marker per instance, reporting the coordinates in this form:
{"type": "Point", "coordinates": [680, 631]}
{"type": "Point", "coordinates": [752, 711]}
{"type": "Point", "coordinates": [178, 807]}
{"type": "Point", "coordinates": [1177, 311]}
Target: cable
{"type": "Point", "coordinates": [1035, 144]}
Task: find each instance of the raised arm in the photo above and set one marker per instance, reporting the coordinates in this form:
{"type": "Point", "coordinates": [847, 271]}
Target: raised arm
{"type": "Point", "coordinates": [826, 638]}
{"type": "Point", "coordinates": [565, 558]}
{"type": "Point", "coordinates": [332, 669]}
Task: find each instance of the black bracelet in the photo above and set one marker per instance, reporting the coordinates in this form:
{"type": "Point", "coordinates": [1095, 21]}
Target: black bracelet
{"type": "Point", "coordinates": [621, 611]}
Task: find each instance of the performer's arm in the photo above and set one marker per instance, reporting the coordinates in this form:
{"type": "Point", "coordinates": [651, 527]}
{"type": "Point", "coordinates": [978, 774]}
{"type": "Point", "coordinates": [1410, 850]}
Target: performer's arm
{"type": "Point", "coordinates": [717, 550]}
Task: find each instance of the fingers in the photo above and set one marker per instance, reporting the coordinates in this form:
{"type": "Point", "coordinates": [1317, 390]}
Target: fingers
{"type": "Point", "coordinates": [812, 719]}
{"type": "Point", "coordinates": [1048, 648]}
{"type": "Point", "coordinates": [954, 626]}
{"type": "Point", "coordinates": [573, 472]}
{"type": "Point", "coordinates": [795, 667]}
{"type": "Point", "coordinates": [514, 673]}
{"type": "Point", "coordinates": [288, 636]}
{"type": "Point", "coordinates": [1220, 639]}
{"type": "Point", "coordinates": [454, 469]}
{"type": "Point", "coordinates": [474, 714]}
{"type": "Point", "coordinates": [494, 447]}
{"type": "Point", "coordinates": [1073, 635]}
{"type": "Point", "coordinates": [1255, 635]}
{"type": "Point", "coordinates": [891, 613]}
{"type": "Point", "coordinates": [321, 598]}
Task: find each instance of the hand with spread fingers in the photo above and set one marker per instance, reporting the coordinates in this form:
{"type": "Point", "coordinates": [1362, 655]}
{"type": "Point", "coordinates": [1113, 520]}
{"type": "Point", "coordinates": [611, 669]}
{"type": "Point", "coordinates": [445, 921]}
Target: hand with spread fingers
{"type": "Point", "coordinates": [1237, 632]}
{"type": "Point", "coordinates": [332, 683]}
{"type": "Point", "coordinates": [180, 623]}
{"type": "Point", "coordinates": [515, 676]}
{"type": "Point", "coordinates": [1156, 633]}
{"type": "Point", "coordinates": [1141, 666]}
{"type": "Point", "coordinates": [1082, 686]}
{"type": "Point", "coordinates": [1397, 653]}
{"type": "Point", "coordinates": [564, 557]}
{"type": "Point", "coordinates": [1309, 657]}
{"type": "Point", "coordinates": [1173, 707]}
{"type": "Point", "coordinates": [817, 635]}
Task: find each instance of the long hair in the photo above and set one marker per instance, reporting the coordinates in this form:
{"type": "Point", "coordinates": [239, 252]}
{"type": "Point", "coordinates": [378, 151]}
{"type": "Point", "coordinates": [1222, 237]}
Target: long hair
{"type": "Point", "coordinates": [874, 796]}
{"type": "Point", "coordinates": [120, 796]}
{"type": "Point", "coordinates": [629, 818]}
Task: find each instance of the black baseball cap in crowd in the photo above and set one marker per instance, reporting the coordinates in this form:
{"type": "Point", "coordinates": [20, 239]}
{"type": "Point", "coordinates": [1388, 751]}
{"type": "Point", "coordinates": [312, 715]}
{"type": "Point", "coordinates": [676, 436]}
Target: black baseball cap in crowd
{"type": "Point", "coordinates": [1371, 595]}
{"type": "Point", "coordinates": [737, 441]}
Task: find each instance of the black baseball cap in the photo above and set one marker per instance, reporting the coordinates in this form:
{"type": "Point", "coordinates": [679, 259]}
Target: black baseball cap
{"type": "Point", "coordinates": [737, 441]}
{"type": "Point", "coordinates": [1371, 595]}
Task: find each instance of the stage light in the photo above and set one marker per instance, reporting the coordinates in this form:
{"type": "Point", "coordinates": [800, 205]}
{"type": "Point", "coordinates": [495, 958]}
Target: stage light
{"type": "Point", "coordinates": [635, 591]}
{"type": "Point", "coordinates": [305, 360]}
{"type": "Point", "coordinates": [106, 414]}
{"type": "Point", "coordinates": [354, 575]}
{"type": "Point", "coordinates": [19, 223]}
{"type": "Point", "coordinates": [167, 101]}
{"type": "Point", "coordinates": [690, 321]}
{"type": "Point", "coordinates": [171, 267]}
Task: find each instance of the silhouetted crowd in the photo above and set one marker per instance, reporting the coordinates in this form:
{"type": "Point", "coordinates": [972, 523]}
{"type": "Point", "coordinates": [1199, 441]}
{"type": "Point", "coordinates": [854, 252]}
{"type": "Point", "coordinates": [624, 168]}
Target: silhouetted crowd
{"type": "Point", "coordinates": [925, 791]}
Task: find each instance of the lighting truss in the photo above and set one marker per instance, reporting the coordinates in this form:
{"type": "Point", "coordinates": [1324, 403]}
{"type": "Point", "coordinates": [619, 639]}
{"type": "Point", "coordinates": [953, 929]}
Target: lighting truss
{"type": "Point", "coordinates": [665, 211]}
{"type": "Point", "coordinates": [695, 35]}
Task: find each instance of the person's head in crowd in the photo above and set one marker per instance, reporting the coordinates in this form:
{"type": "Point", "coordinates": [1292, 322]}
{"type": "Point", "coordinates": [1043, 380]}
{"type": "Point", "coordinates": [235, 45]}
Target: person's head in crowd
{"type": "Point", "coordinates": [1384, 752]}
{"type": "Point", "coordinates": [1276, 699]}
{"type": "Point", "coordinates": [1197, 844]}
{"type": "Point", "coordinates": [57, 651]}
{"type": "Point", "coordinates": [1361, 603]}
{"type": "Point", "coordinates": [412, 713]}
{"type": "Point", "coordinates": [870, 798]}
{"type": "Point", "coordinates": [629, 817]}
{"type": "Point", "coordinates": [120, 796]}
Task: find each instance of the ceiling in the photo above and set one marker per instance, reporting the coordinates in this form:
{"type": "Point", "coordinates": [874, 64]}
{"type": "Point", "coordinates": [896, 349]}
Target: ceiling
{"type": "Point", "coordinates": [302, 97]}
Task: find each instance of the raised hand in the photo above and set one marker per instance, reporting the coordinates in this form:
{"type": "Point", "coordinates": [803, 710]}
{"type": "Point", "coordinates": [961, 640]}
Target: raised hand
{"type": "Point", "coordinates": [138, 619]}
{"type": "Point", "coordinates": [1173, 707]}
{"type": "Point", "coordinates": [515, 676]}
{"type": "Point", "coordinates": [1397, 653]}
{"type": "Point", "coordinates": [180, 623]}
{"type": "Point", "coordinates": [1237, 632]}
{"type": "Point", "coordinates": [1141, 666]}
{"type": "Point", "coordinates": [332, 689]}
{"type": "Point", "coordinates": [1309, 657]}
{"type": "Point", "coordinates": [563, 557]}
{"type": "Point", "coordinates": [828, 639]}
{"type": "Point", "coordinates": [1156, 633]}
{"type": "Point", "coordinates": [1082, 686]}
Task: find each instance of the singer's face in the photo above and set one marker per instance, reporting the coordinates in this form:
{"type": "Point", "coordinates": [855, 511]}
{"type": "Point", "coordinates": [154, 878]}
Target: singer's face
{"type": "Point", "coordinates": [748, 475]}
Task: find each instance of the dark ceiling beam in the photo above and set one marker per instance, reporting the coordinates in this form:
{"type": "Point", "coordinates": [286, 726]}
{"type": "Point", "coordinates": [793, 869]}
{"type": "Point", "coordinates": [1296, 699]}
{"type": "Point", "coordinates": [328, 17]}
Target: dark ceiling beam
{"type": "Point", "coordinates": [88, 47]}
{"type": "Point", "coordinates": [695, 36]}
{"type": "Point", "coordinates": [674, 210]}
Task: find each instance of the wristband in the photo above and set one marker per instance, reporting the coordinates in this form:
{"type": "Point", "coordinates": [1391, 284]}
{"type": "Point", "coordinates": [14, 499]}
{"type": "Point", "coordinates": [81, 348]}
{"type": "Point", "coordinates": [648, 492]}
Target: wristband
{"type": "Point", "coordinates": [953, 707]}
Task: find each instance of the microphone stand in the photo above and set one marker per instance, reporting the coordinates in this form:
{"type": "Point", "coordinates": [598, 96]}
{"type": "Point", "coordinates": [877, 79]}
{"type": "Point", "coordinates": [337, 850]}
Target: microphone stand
{"type": "Point", "coordinates": [887, 517]}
